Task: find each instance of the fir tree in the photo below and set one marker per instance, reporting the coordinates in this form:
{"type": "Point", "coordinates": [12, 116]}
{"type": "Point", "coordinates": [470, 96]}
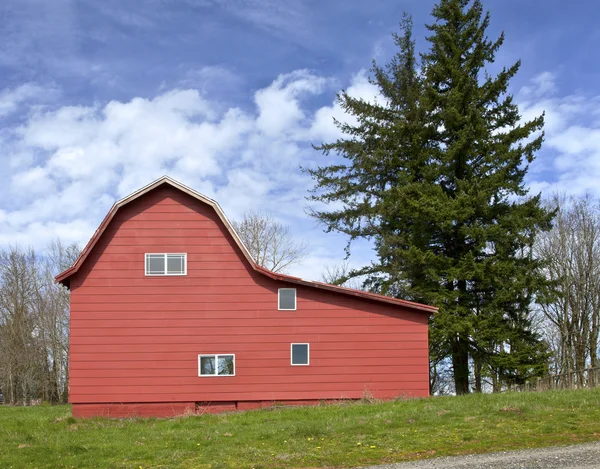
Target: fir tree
{"type": "Point", "coordinates": [434, 176]}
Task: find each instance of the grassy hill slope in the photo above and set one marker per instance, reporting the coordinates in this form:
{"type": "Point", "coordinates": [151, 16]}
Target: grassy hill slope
{"type": "Point", "coordinates": [344, 435]}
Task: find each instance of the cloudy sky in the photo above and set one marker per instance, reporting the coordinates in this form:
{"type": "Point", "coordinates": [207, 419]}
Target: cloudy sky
{"type": "Point", "coordinates": [100, 97]}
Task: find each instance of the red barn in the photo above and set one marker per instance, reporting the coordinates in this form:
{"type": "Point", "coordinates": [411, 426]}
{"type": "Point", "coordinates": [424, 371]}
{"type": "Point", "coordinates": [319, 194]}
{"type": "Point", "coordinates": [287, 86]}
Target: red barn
{"type": "Point", "coordinates": [170, 314]}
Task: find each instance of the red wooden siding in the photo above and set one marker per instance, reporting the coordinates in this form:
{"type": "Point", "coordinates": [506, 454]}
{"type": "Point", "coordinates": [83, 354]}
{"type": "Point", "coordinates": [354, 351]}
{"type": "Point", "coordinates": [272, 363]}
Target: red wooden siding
{"type": "Point", "coordinates": [136, 339]}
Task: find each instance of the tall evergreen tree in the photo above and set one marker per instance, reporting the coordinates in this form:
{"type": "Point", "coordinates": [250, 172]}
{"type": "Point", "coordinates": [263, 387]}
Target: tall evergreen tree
{"type": "Point", "coordinates": [434, 176]}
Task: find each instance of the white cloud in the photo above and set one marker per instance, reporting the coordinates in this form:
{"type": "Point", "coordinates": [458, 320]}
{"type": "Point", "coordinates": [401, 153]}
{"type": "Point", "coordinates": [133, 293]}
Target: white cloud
{"type": "Point", "coordinates": [324, 128]}
{"type": "Point", "coordinates": [570, 157]}
{"type": "Point", "coordinates": [39, 234]}
{"type": "Point", "coordinates": [279, 110]}
{"type": "Point", "coordinates": [540, 85]}
{"type": "Point", "coordinates": [34, 180]}
{"type": "Point", "coordinates": [11, 99]}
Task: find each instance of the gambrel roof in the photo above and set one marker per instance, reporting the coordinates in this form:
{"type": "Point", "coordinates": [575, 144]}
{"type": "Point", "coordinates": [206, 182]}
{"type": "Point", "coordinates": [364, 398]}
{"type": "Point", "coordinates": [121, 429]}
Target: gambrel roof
{"type": "Point", "coordinates": [64, 277]}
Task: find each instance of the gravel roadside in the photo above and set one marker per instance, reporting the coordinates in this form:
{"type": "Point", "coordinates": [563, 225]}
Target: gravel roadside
{"type": "Point", "coordinates": [564, 457]}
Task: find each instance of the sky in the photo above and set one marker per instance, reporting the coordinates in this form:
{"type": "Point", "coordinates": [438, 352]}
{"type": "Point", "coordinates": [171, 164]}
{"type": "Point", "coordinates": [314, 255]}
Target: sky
{"type": "Point", "coordinates": [100, 97]}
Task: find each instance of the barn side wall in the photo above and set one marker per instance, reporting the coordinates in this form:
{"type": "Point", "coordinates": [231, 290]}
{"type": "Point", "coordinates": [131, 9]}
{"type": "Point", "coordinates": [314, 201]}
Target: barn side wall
{"type": "Point", "coordinates": [135, 339]}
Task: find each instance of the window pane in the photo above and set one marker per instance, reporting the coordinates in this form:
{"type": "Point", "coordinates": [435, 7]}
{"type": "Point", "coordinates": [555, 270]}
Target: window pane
{"type": "Point", "coordinates": [299, 354]}
{"type": "Point", "coordinates": [155, 264]}
{"type": "Point", "coordinates": [287, 298]}
{"type": "Point", "coordinates": [207, 365]}
{"type": "Point", "coordinates": [226, 366]}
{"type": "Point", "coordinates": [175, 264]}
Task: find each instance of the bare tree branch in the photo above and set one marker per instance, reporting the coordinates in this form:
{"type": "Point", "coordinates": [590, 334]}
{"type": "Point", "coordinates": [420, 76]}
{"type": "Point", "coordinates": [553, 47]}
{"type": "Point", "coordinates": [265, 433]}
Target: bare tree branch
{"type": "Point", "coordinates": [571, 251]}
{"type": "Point", "coordinates": [341, 274]}
{"type": "Point", "coordinates": [270, 243]}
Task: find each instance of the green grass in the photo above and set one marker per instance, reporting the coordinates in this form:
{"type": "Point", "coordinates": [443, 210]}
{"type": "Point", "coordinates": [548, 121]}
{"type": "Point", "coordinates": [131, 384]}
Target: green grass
{"type": "Point", "coordinates": [342, 435]}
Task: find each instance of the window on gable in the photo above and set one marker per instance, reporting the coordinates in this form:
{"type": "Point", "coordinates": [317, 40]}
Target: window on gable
{"type": "Point", "coordinates": [300, 354]}
{"type": "Point", "coordinates": [166, 264]}
{"type": "Point", "coordinates": [287, 299]}
{"type": "Point", "coordinates": [216, 365]}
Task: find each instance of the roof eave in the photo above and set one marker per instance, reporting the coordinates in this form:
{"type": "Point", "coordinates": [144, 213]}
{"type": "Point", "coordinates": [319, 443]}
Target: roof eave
{"type": "Point", "coordinates": [346, 291]}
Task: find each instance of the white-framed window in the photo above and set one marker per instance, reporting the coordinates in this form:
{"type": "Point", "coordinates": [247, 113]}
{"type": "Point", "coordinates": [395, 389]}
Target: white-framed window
{"type": "Point", "coordinates": [222, 364]}
{"type": "Point", "coordinates": [300, 354]}
{"type": "Point", "coordinates": [166, 264]}
{"type": "Point", "coordinates": [286, 299]}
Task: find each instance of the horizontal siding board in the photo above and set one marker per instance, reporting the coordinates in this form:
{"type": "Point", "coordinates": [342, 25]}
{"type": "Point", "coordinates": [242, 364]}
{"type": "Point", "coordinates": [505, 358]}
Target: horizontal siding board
{"type": "Point", "coordinates": [175, 224]}
{"type": "Point", "coordinates": [284, 337]}
{"type": "Point", "coordinates": [249, 344]}
{"type": "Point", "coordinates": [141, 281]}
{"type": "Point", "coordinates": [199, 250]}
{"type": "Point", "coordinates": [191, 364]}
{"type": "Point", "coordinates": [183, 288]}
{"type": "Point", "coordinates": [120, 312]}
{"type": "Point", "coordinates": [249, 382]}
{"type": "Point", "coordinates": [417, 391]}
{"type": "Point", "coordinates": [248, 388]}
{"type": "Point", "coordinates": [230, 328]}
{"type": "Point", "coordinates": [136, 265]}
{"type": "Point", "coordinates": [143, 209]}
{"type": "Point", "coordinates": [259, 356]}
{"type": "Point", "coordinates": [109, 304]}
{"type": "Point", "coordinates": [136, 260]}
{"type": "Point", "coordinates": [162, 298]}
{"type": "Point", "coordinates": [174, 241]}
{"type": "Point", "coordinates": [139, 274]}
{"type": "Point", "coordinates": [390, 349]}
{"type": "Point", "coordinates": [139, 233]}
{"type": "Point", "coordinates": [410, 389]}
{"type": "Point", "coordinates": [164, 215]}
{"type": "Point", "coordinates": [269, 373]}
{"type": "Point", "coordinates": [136, 338]}
{"type": "Point", "coordinates": [227, 325]}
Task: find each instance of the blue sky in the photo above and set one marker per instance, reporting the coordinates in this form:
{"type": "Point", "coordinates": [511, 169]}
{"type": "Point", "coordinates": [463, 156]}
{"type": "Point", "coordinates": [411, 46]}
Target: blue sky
{"type": "Point", "coordinates": [98, 98]}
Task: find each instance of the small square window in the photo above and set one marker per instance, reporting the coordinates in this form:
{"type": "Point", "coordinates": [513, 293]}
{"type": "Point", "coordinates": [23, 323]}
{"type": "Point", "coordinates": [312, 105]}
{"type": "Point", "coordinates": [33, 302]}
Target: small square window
{"type": "Point", "coordinates": [166, 264]}
{"type": "Point", "coordinates": [300, 354]}
{"type": "Point", "coordinates": [287, 299]}
{"type": "Point", "coordinates": [216, 365]}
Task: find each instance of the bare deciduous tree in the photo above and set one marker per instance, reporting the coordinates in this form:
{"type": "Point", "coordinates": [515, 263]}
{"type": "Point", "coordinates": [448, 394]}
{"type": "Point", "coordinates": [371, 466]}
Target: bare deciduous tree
{"type": "Point", "coordinates": [20, 369]}
{"type": "Point", "coordinates": [270, 243]}
{"type": "Point", "coordinates": [53, 319]}
{"type": "Point", "coordinates": [571, 252]}
{"type": "Point", "coordinates": [341, 274]}
{"type": "Point", "coordinates": [34, 324]}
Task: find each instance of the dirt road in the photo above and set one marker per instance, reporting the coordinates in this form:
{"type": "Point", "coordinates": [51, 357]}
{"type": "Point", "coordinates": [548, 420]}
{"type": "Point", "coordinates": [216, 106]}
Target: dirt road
{"type": "Point", "coordinates": [564, 457]}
